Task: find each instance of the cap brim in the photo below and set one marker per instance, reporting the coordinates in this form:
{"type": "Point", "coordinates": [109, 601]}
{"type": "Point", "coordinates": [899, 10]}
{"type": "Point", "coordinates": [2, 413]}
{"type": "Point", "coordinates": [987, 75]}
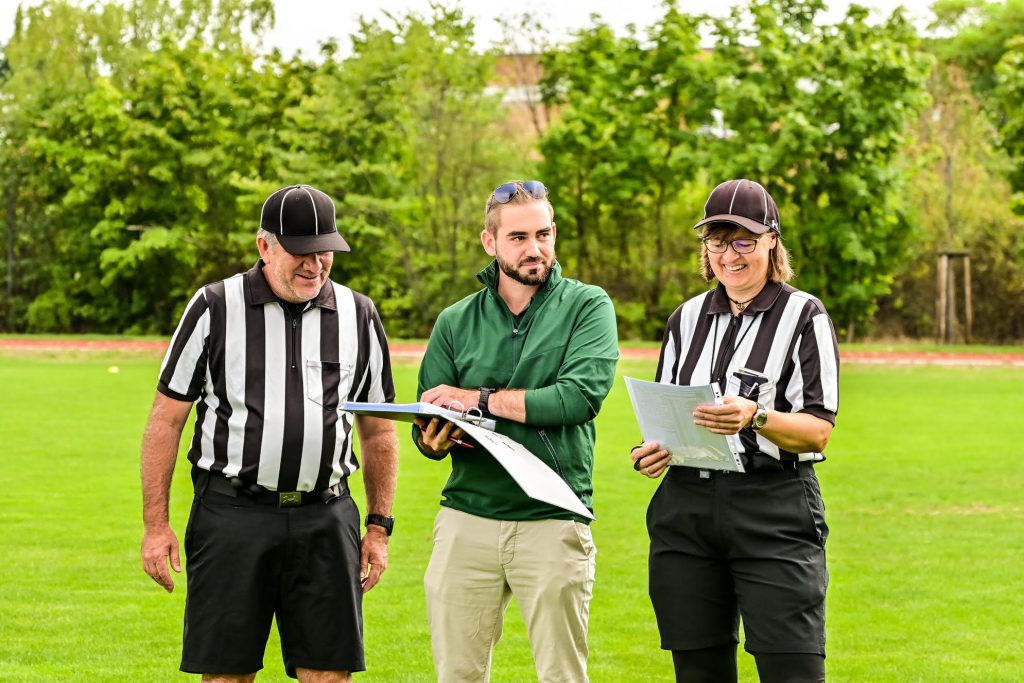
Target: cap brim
{"type": "Point", "coordinates": [308, 244]}
{"type": "Point", "coordinates": [742, 221]}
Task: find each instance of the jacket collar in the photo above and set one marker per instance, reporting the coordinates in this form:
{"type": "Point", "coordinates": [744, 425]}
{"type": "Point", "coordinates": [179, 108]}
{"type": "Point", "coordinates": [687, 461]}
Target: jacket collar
{"type": "Point", "coordinates": [764, 300]}
{"type": "Point", "coordinates": [260, 292]}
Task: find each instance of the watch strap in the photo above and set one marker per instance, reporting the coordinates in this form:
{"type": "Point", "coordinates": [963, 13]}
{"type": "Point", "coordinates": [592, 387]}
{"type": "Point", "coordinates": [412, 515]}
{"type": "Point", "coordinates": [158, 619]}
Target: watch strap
{"type": "Point", "coordinates": [485, 397]}
{"type": "Point", "coordinates": [385, 521]}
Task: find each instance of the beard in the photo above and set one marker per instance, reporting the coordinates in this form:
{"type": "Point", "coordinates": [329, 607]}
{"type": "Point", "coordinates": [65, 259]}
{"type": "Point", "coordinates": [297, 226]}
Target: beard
{"type": "Point", "coordinates": [530, 279]}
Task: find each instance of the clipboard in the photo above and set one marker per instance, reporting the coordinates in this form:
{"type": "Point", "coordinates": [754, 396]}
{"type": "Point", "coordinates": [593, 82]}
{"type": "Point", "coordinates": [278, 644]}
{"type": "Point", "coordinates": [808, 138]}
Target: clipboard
{"type": "Point", "coordinates": [407, 412]}
{"type": "Point", "coordinates": [533, 476]}
{"type": "Point", "coordinates": [665, 414]}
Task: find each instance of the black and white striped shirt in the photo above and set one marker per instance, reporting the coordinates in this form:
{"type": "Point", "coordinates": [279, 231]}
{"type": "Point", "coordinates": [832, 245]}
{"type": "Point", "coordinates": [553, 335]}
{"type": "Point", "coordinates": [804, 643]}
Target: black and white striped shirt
{"type": "Point", "coordinates": [783, 333]}
{"type": "Point", "coordinates": [268, 385]}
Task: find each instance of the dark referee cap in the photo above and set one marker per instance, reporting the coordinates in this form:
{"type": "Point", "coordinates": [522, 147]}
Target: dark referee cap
{"type": "Point", "coordinates": [302, 217]}
{"type": "Point", "coordinates": [744, 203]}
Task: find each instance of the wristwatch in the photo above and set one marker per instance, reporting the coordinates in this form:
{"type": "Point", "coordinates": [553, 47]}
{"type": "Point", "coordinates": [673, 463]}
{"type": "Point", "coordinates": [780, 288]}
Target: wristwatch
{"type": "Point", "coordinates": [759, 419]}
{"type": "Point", "coordinates": [485, 396]}
{"type": "Point", "coordinates": [386, 521]}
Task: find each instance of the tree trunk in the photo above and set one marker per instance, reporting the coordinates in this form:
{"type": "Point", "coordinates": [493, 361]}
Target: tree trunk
{"type": "Point", "coordinates": [10, 261]}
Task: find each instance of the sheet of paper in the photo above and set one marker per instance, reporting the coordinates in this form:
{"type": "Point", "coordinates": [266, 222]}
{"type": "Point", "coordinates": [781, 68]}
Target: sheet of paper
{"type": "Point", "coordinates": [406, 412]}
{"type": "Point", "coordinates": [537, 480]}
{"type": "Point", "coordinates": [665, 415]}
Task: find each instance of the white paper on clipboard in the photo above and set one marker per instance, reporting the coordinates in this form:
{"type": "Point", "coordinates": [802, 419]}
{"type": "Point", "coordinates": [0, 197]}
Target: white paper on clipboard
{"type": "Point", "coordinates": [665, 415]}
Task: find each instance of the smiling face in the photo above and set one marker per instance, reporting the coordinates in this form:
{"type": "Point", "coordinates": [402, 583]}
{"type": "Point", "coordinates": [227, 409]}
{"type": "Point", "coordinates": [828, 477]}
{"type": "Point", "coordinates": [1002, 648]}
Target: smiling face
{"type": "Point", "coordinates": [523, 243]}
{"type": "Point", "coordinates": [294, 278]}
{"type": "Point", "coordinates": [744, 275]}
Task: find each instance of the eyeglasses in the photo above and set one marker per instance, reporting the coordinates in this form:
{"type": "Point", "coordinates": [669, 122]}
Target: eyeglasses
{"type": "Point", "coordinates": [503, 194]}
{"type": "Point", "coordinates": [745, 245]}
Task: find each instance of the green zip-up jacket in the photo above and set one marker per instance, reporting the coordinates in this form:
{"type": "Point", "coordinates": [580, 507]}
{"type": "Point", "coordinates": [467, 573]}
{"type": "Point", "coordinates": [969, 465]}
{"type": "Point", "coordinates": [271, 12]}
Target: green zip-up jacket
{"type": "Point", "coordinates": [562, 349]}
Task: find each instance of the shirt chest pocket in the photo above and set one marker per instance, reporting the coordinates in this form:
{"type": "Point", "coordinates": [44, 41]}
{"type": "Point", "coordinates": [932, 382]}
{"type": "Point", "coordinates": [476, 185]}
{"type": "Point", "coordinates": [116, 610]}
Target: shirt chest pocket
{"type": "Point", "coordinates": [752, 385]}
{"type": "Point", "coordinates": [328, 383]}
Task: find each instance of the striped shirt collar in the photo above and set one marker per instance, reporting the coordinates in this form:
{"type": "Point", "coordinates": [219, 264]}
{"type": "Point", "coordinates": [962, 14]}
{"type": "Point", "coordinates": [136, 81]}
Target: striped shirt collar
{"type": "Point", "coordinates": [260, 292]}
{"type": "Point", "coordinates": [764, 300]}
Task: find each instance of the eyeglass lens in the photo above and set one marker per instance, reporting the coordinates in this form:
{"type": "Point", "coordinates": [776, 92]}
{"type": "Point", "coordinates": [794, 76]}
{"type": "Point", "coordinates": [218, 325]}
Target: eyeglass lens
{"type": "Point", "coordinates": [504, 193]}
{"type": "Point", "coordinates": [742, 246]}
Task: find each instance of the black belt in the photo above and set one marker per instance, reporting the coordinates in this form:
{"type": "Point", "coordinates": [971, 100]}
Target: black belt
{"type": "Point", "coordinates": [793, 467]}
{"type": "Point", "coordinates": [236, 488]}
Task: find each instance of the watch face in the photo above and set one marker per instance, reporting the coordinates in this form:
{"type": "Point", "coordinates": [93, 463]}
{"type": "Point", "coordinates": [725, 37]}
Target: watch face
{"type": "Point", "coordinates": [760, 417]}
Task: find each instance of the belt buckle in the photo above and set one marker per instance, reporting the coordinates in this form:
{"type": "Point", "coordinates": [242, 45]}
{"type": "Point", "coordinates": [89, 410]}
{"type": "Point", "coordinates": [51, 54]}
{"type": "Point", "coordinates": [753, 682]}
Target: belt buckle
{"type": "Point", "coordinates": [289, 499]}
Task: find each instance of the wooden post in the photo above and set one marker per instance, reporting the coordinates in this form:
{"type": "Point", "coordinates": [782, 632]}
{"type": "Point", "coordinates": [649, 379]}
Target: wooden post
{"type": "Point", "coordinates": [951, 316]}
{"type": "Point", "coordinates": [968, 309]}
{"type": "Point", "coordinates": [941, 272]}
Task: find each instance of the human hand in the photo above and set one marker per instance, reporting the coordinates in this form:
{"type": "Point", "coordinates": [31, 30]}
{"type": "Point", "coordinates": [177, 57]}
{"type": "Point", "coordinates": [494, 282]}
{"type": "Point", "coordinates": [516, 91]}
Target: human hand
{"type": "Point", "coordinates": [373, 556]}
{"type": "Point", "coordinates": [650, 459]}
{"type": "Point", "coordinates": [734, 414]}
{"type": "Point", "coordinates": [159, 545]}
{"type": "Point", "coordinates": [438, 435]}
{"type": "Point", "coordinates": [452, 398]}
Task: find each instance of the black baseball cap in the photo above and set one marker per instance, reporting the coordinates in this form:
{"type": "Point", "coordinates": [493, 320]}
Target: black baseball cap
{"type": "Point", "coordinates": [302, 217]}
{"type": "Point", "coordinates": [744, 203]}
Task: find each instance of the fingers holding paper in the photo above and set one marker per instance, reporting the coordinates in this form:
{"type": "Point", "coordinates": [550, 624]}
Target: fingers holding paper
{"type": "Point", "coordinates": [650, 459]}
{"type": "Point", "coordinates": [439, 435]}
{"type": "Point", "coordinates": [452, 398]}
{"type": "Point", "coordinates": [729, 418]}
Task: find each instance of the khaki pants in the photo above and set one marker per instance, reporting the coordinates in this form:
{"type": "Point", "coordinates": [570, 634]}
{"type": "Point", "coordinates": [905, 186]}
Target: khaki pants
{"type": "Point", "coordinates": [479, 564]}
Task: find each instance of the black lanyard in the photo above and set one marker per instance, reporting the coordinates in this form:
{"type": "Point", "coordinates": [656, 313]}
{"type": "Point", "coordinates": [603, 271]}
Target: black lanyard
{"type": "Point", "coordinates": [720, 362]}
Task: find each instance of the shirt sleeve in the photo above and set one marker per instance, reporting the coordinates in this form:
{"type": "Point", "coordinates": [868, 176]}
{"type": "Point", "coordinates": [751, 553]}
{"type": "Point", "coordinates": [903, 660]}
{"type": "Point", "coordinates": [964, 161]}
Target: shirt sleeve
{"type": "Point", "coordinates": [380, 384]}
{"type": "Point", "coordinates": [183, 371]}
{"type": "Point", "coordinates": [814, 385]}
{"type": "Point", "coordinates": [437, 367]}
{"type": "Point", "coordinates": [586, 374]}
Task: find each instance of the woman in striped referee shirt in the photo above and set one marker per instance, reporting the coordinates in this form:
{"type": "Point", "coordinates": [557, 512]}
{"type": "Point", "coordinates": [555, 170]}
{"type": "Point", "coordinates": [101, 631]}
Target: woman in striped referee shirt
{"type": "Point", "coordinates": [752, 543]}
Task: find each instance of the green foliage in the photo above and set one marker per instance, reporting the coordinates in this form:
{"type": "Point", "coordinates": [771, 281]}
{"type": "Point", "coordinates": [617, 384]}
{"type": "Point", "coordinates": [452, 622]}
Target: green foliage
{"type": "Point", "coordinates": [816, 113]}
{"type": "Point", "coordinates": [962, 200]}
{"type": "Point", "coordinates": [626, 148]}
{"type": "Point", "coordinates": [139, 138]}
{"type": "Point", "coordinates": [405, 136]}
{"type": "Point", "coordinates": [1009, 98]}
{"type": "Point", "coordinates": [988, 44]}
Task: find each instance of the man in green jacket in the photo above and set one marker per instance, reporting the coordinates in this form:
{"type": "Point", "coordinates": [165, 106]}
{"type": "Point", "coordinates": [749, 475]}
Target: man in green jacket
{"type": "Point", "coordinates": [538, 352]}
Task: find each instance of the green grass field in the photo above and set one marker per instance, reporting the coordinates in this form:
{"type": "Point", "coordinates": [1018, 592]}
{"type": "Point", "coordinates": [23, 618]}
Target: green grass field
{"type": "Point", "coordinates": [923, 486]}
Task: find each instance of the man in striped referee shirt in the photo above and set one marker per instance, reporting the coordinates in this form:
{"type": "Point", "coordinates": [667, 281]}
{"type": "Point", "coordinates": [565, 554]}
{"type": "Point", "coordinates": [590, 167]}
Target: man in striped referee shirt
{"type": "Point", "coordinates": [267, 356]}
{"type": "Point", "coordinates": [753, 543]}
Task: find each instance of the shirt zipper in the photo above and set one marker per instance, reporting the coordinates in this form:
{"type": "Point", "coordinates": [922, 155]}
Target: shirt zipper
{"type": "Point", "coordinates": [295, 325]}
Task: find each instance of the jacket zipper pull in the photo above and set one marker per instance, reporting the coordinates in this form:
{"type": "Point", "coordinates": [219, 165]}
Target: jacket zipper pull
{"type": "Point", "coordinates": [515, 331]}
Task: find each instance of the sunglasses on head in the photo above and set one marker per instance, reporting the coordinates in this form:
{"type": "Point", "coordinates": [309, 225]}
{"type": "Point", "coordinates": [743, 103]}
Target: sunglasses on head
{"type": "Point", "coordinates": [503, 194]}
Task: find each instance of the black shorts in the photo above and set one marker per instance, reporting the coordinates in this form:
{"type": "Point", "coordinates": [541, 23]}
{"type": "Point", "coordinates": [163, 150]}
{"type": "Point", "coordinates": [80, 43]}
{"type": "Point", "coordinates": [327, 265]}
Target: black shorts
{"type": "Point", "coordinates": [247, 563]}
{"type": "Point", "coordinates": [736, 544]}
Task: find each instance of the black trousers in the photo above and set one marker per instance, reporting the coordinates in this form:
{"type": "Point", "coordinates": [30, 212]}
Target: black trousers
{"type": "Point", "coordinates": [726, 546]}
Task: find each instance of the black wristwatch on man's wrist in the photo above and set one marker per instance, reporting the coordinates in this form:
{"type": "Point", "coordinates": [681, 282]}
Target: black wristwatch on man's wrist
{"type": "Point", "coordinates": [485, 397]}
{"type": "Point", "coordinates": [385, 521]}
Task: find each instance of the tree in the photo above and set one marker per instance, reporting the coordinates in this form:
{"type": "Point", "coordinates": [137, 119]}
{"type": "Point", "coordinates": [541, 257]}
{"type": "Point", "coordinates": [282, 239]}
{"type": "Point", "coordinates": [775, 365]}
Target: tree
{"type": "Point", "coordinates": [816, 113]}
{"type": "Point", "coordinates": [130, 158]}
{"type": "Point", "coordinates": [407, 135]}
{"type": "Point", "coordinates": [621, 154]}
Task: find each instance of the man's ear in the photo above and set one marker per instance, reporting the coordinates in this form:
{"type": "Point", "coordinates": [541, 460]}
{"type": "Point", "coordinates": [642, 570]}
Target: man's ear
{"type": "Point", "coordinates": [487, 239]}
{"type": "Point", "coordinates": [264, 247]}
